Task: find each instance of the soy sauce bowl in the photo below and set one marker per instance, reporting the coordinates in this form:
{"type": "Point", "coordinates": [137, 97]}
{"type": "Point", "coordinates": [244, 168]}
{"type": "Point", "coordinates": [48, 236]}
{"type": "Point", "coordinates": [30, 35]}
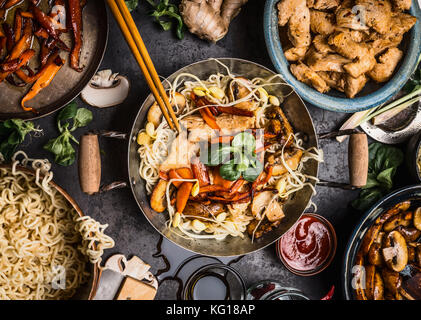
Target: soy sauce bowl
{"type": "Point", "coordinates": [329, 256]}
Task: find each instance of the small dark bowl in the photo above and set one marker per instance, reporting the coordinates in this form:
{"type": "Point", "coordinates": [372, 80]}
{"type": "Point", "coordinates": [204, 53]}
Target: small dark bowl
{"type": "Point", "coordinates": [413, 152]}
{"type": "Point", "coordinates": [326, 263]}
{"type": "Point", "coordinates": [407, 193]}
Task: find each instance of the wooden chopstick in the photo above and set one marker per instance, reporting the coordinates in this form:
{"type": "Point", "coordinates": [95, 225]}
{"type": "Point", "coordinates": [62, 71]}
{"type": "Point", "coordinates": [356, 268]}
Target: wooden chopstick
{"type": "Point", "coordinates": [137, 46]}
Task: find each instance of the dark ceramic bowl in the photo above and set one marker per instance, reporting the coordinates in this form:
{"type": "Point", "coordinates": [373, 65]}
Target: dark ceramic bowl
{"type": "Point", "coordinates": [407, 193]}
{"type": "Point", "coordinates": [372, 95]}
{"type": "Point", "coordinates": [413, 154]}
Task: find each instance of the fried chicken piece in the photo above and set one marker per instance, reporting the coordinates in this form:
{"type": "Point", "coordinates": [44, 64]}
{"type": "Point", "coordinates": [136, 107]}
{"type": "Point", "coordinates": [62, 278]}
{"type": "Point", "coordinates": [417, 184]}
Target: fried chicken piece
{"type": "Point", "coordinates": [348, 16]}
{"type": "Point", "coordinates": [383, 42]}
{"type": "Point", "coordinates": [401, 23]}
{"type": "Point", "coordinates": [402, 5]}
{"type": "Point", "coordinates": [309, 77]}
{"type": "Point", "coordinates": [388, 61]}
{"type": "Point", "coordinates": [295, 54]}
{"type": "Point", "coordinates": [285, 10]}
{"type": "Point", "coordinates": [321, 45]}
{"type": "Point", "coordinates": [323, 4]}
{"type": "Point", "coordinates": [376, 14]}
{"type": "Point", "coordinates": [335, 80]}
{"type": "Point", "coordinates": [363, 56]}
{"type": "Point", "coordinates": [322, 22]}
{"type": "Point", "coordinates": [299, 26]}
{"type": "Point", "coordinates": [329, 62]}
{"type": "Point", "coordinates": [354, 85]}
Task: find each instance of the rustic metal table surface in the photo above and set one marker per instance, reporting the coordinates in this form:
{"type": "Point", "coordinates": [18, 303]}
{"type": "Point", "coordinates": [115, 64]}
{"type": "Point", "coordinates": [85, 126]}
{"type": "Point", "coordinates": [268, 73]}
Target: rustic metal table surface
{"type": "Point", "coordinates": [131, 231]}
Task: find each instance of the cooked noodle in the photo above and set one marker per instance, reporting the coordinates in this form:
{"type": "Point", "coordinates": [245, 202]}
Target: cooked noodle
{"type": "Point", "coordinates": [152, 155]}
{"type": "Point", "coordinates": [40, 234]}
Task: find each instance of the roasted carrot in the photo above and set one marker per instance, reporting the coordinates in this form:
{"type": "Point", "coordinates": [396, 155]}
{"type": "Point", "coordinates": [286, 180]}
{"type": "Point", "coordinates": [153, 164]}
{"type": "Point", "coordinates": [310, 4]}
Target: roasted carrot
{"type": "Point", "coordinates": [163, 175]}
{"type": "Point", "coordinates": [174, 175]}
{"type": "Point", "coordinates": [27, 14]}
{"type": "Point", "coordinates": [217, 179]}
{"type": "Point", "coordinates": [186, 173]}
{"type": "Point", "coordinates": [18, 24]}
{"type": "Point", "coordinates": [3, 49]}
{"type": "Point", "coordinates": [11, 3]}
{"type": "Point", "coordinates": [13, 65]}
{"type": "Point", "coordinates": [209, 118]}
{"type": "Point", "coordinates": [75, 14]}
{"type": "Point", "coordinates": [180, 173]}
{"type": "Point", "coordinates": [45, 21]}
{"type": "Point", "coordinates": [200, 172]}
{"type": "Point", "coordinates": [41, 33]}
{"type": "Point", "coordinates": [48, 74]}
{"type": "Point", "coordinates": [235, 111]}
{"type": "Point", "coordinates": [10, 36]}
{"type": "Point", "coordinates": [213, 188]}
{"type": "Point", "coordinates": [183, 194]}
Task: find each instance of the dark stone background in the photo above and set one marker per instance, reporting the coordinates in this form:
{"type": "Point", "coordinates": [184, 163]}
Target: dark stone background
{"type": "Point", "coordinates": [132, 232]}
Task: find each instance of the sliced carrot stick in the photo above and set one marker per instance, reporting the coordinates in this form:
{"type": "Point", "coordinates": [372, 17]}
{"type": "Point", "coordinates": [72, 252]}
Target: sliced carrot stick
{"type": "Point", "coordinates": [183, 194]}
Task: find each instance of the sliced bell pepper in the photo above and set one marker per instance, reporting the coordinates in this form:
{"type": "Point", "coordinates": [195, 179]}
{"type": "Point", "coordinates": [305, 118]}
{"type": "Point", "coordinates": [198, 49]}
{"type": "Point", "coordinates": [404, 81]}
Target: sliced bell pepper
{"type": "Point", "coordinates": [13, 65]}
{"type": "Point", "coordinates": [47, 75]}
{"type": "Point", "coordinates": [75, 14]}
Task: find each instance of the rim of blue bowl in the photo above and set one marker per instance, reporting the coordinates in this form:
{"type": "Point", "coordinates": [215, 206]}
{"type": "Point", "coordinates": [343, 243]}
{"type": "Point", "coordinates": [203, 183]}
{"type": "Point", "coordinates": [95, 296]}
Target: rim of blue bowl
{"type": "Point", "coordinates": [328, 102]}
{"type": "Point", "coordinates": [355, 239]}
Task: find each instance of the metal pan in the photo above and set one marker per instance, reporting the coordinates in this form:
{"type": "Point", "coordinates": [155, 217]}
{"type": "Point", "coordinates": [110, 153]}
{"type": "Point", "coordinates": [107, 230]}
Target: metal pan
{"type": "Point", "coordinates": [86, 291]}
{"type": "Point", "coordinates": [300, 119]}
{"type": "Point", "coordinates": [68, 83]}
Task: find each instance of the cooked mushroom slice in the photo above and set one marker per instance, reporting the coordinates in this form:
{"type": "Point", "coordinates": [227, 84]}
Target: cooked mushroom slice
{"type": "Point", "coordinates": [403, 219]}
{"type": "Point", "coordinates": [106, 89]}
{"type": "Point", "coordinates": [158, 201]}
{"type": "Point", "coordinates": [178, 102]}
{"type": "Point", "coordinates": [417, 218]}
{"type": "Point", "coordinates": [370, 237]}
{"type": "Point", "coordinates": [411, 254]}
{"type": "Point", "coordinates": [370, 273]}
{"type": "Point", "coordinates": [359, 277]}
{"type": "Point", "coordinates": [402, 206]}
{"type": "Point", "coordinates": [392, 280]}
{"type": "Point", "coordinates": [418, 256]}
{"type": "Point", "coordinates": [410, 234]}
{"type": "Point", "coordinates": [238, 90]}
{"type": "Point", "coordinates": [378, 289]}
{"type": "Point", "coordinates": [374, 255]}
{"type": "Point", "coordinates": [395, 251]}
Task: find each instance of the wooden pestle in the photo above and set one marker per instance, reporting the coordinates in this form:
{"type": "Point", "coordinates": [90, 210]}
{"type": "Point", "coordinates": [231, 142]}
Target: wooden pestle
{"type": "Point", "coordinates": [358, 159]}
{"type": "Point", "coordinates": [89, 164]}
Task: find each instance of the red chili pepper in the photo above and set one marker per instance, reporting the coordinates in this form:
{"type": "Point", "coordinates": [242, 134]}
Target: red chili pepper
{"type": "Point", "coordinates": [329, 295]}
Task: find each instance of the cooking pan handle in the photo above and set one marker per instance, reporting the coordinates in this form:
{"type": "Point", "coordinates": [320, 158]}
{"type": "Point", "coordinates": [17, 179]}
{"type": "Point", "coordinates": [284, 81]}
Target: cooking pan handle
{"type": "Point", "coordinates": [357, 159]}
{"type": "Point", "coordinates": [90, 162]}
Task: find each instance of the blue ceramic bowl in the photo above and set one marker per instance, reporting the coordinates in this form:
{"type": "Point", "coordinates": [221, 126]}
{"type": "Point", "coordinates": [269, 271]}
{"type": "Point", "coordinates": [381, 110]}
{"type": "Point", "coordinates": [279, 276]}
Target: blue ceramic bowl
{"type": "Point", "coordinates": [406, 193]}
{"type": "Point", "coordinates": [372, 96]}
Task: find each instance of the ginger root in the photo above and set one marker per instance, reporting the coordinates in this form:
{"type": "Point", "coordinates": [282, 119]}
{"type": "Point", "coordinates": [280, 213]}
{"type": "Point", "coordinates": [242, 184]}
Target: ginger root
{"type": "Point", "coordinates": [209, 19]}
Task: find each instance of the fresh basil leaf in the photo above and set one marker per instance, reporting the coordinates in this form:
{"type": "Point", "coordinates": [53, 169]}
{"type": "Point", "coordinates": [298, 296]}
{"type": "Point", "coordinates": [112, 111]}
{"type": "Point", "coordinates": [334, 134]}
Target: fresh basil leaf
{"type": "Point", "coordinates": [241, 161]}
{"type": "Point", "coordinates": [385, 178]}
{"type": "Point", "coordinates": [64, 153]}
{"type": "Point", "coordinates": [244, 141]}
{"type": "Point", "coordinates": [367, 198]}
{"type": "Point", "coordinates": [13, 133]}
{"type": "Point", "coordinates": [131, 4]}
{"type": "Point", "coordinates": [228, 171]}
{"type": "Point", "coordinates": [252, 173]}
{"type": "Point", "coordinates": [82, 118]}
{"type": "Point", "coordinates": [216, 157]}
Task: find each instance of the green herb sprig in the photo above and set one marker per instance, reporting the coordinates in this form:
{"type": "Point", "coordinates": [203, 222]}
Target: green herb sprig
{"type": "Point", "coordinates": [68, 120]}
{"type": "Point", "coordinates": [131, 4]}
{"type": "Point", "coordinates": [243, 163]}
{"type": "Point", "coordinates": [12, 134]}
{"type": "Point", "coordinates": [383, 162]}
{"type": "Point", "coordinates": [164, 12]}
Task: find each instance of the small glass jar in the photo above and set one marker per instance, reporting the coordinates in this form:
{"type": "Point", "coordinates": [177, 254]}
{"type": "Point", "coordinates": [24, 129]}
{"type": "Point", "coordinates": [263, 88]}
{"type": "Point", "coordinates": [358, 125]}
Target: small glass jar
{"type": "Point", "coordinates": [273, 290]}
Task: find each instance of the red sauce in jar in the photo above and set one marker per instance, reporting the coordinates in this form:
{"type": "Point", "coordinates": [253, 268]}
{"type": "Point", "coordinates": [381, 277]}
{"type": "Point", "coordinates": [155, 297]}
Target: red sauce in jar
{"type": "Point", "coordinates": [307, 245]}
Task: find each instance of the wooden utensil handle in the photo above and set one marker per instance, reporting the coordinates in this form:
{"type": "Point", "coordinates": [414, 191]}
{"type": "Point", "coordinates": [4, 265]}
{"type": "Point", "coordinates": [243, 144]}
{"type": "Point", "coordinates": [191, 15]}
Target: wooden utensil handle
{"type": "Point", "coordinates": [358, 159]}
{"type": "Point", "coordinates": [89, 164]}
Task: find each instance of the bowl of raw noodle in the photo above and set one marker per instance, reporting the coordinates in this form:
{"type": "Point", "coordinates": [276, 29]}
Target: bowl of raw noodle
{"type": "Point", "coordinates": [49, 249]}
